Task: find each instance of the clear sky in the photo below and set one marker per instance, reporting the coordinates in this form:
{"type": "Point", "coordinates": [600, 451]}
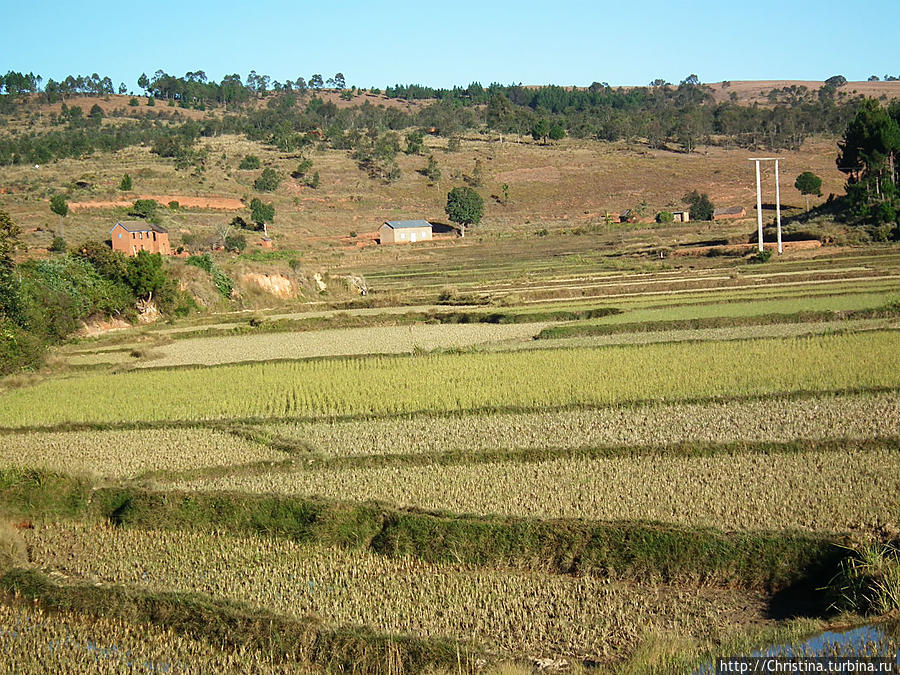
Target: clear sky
{"type": "Point", "coordinates": [443, 43]}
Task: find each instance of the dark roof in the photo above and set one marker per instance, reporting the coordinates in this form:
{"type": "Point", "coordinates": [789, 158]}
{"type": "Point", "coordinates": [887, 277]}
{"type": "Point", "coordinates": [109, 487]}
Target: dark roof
{"type": "Point", "coordinates": [396, 224]}
{"type": "Point", "coordinates": [731, 210]}
{"type": "Point", "coordinates": [140, 226]}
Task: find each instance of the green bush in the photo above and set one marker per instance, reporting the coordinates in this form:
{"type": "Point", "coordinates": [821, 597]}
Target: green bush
{"type": "Point", "coordinates": [665, 217]}
{"type": "Point", "coordinates": [58, 245]}
{"type": "Point", "coordinates": [268, 180]}
{"type": "Point", "coordinates": [126, 183]}
{"type": "Point", "coordinates": [762, 256]}
{"type": "Point", "coordinates": [249, 162]}
{"type": "Point", "coordinates": [236, 242]}
{"type": "Point", "coordinates": [144, 208]}
{"type": "Point", "coordinates": [221, 281]}
{"type": "Point", "coordinates": [19, 349]}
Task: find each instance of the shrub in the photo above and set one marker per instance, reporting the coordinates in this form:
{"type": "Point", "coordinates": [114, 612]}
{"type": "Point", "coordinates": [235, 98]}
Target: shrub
{"type": "Point", "coordinates": [144, 208]}
{"type": "Point", "coordinates": [249, 162]}
{"type": "Point", "coordinates": [665, 217]}
{"type": "Point", "coordinates": [267, 181]}
{"type": "Point", "coordinates": [58, 245]}
{"type": "Point", "coordinates": [762, 256]}
{"type": "Point", "coordinates": [236, 242]}
{"type": "Point", "coordinates": [126, 183]}
{"type": "Point", "coordinates": [133, 102]}
{"type": "Point", "coordinates": [174, 205]}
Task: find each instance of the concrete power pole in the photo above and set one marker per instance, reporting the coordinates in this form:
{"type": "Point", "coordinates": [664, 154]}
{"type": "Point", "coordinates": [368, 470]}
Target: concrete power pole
{"type": "Point", "coordinates": [759, 225]}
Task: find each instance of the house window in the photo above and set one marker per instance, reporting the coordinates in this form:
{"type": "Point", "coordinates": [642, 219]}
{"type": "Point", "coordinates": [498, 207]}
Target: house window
{"type": "Point", "coordinates": [120, 235]}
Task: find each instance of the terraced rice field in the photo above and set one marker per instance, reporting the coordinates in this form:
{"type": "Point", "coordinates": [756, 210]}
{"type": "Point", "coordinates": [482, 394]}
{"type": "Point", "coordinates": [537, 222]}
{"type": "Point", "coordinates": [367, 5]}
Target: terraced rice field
{"type": "Point", "coordinates": [820, 492]}
{"type": "Point", "coordinates": [129, 453]}
{"type": "Point", "coordinates": [453, 382]}
{"type": "Point", "coordinates": [814, 418]}
{"type": "Point", "coordinates": [339, 342]}
{"type": "Point", "coordinates": [373, 506]}
{"type": "Point", "coordinates": [35, 641]}
{"type": "Point", "coordinates": [513, 612]}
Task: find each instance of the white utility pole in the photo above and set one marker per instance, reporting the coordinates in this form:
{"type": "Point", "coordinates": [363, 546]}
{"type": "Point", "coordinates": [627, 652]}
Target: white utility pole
{"type": "Point", "coordinates": [759, 200]}
{"type": "Point", "coordinates": [778, 206]}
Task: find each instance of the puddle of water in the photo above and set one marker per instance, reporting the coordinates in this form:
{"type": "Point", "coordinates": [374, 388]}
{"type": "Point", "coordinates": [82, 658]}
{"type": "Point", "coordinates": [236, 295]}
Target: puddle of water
{"type": "Point", "coordinates": [872, 640]}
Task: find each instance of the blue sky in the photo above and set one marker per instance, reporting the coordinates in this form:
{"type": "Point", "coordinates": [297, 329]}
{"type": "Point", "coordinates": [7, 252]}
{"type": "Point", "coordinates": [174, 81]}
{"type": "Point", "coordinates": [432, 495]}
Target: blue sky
{"type": "Point", "coordinates": [377, 43]}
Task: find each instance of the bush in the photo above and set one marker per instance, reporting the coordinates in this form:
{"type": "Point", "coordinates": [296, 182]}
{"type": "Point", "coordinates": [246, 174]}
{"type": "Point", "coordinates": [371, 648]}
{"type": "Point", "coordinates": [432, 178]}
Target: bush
{"type": "Point", "coordinates": [236, 242]}
{"type": "Point", "coordinates": [665, 217]}
{"type": "Point", "coordinates": [19, 349]}
{"type": "Point", "coordinates": [144, 208]}
{"type": "Point", "coordinates": [58, 245]}
{"type": "Point", "coordinates": [126, 183]}
{"type": "Point", "coordinates": [133, 102]}
{"type": "Point", "coordinates": [761, 257]}
{"type": "Point", "coordinates": [221, 281]}
{"type": "Point", "coordinates": [174, 205]}
{"type": "Point", "coordinates": [268, 180]}
{"type": "Point", "coordinates": [249, 162]}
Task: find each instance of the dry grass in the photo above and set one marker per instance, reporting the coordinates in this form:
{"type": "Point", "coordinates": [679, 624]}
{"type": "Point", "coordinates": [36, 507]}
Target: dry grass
{"type": "Point", "coordinates": [821, 491]}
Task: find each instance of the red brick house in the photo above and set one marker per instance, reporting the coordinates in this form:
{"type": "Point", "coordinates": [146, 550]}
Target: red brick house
{"type": "Point", "coordinates": [133, 236]}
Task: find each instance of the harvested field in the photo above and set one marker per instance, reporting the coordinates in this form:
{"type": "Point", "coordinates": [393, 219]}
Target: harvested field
{"type": "Point", "coordinates": [821, 492]}
{"type": "Point", "coordinates": [339, 342]}
{"type": "Point", "coordinates": [453, 382]}
{"type": "Point", "coordinates": [514, 612]}
{"type": "Point", "coordinates": [827, 417]}
{"type": "Point", "coordinates": [35, 641]}
{"type": "Point", "coordinates": [126, 454]}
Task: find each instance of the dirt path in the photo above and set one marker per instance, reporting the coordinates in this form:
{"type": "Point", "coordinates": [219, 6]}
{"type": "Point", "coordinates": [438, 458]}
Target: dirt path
{"type": "Point", "coordinates": [206, 202]}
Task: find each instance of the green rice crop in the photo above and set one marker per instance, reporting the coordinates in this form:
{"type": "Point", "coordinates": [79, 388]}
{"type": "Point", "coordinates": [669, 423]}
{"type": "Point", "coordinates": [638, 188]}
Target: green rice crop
{"type": "Point", "coordinates": [749, 307]}
{"type": "Point", "coordinates": [826, 417]}
{"type": "Point", "coordinates": [515, 612]}
{"type": "Point", "coordinates": [814, 491]}
{"type": "Point", "coordinates": [451, 382]}
{"type": "Point", "coordinates": [129, 453]}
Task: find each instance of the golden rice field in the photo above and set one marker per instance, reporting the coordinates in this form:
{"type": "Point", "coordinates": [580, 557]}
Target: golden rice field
{"type": "Point", "coordinates": [815, 418]}
{"type": "Point", "coordinates": [338, 342]}
{"type": "Point", "coordinates": [451, 382]}
{"type": "Point", "coordinates": [514, 612]}
{"type": "Point", "coordinates": [815, 491]}
{"type": "Point", "coordinates": [129, 453]}
{"type": "Point", "coordinates": [34, 641]}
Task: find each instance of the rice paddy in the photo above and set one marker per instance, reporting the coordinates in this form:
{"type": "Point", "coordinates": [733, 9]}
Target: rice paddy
{"type": "Point", "coordinates": [773, 419]}
{"type": "Point", "coordinates": [456, 382]}
{"type": "Point", "coordinates": [128, 453]}
{"type": "Point", "coordinates": [534, 614]}
{"type": "Point", "coordinates": [459, 497]}
{"type": "Point", "coordinates": [820, 492]}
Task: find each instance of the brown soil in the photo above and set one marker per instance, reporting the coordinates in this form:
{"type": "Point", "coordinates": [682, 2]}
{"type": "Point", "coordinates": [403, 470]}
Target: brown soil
{"type": "Point", "coordinates": [208, 202]}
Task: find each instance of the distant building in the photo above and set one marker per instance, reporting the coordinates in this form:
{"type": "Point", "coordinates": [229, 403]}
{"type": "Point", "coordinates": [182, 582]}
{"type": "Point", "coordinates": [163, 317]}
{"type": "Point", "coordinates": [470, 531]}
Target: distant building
{"type": "Point", "coordinates": [681, 216]}
{"type": "Point", "coordinates": [266, 242]}
{"type": "Point", "coordinates": [628, 216]}
{"type": "Point", "coordinates": [730, 212]}
{"type": "Point", "coordinates": [133, 236]}
{"type": "Point", "coordinates": [404, 231]}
